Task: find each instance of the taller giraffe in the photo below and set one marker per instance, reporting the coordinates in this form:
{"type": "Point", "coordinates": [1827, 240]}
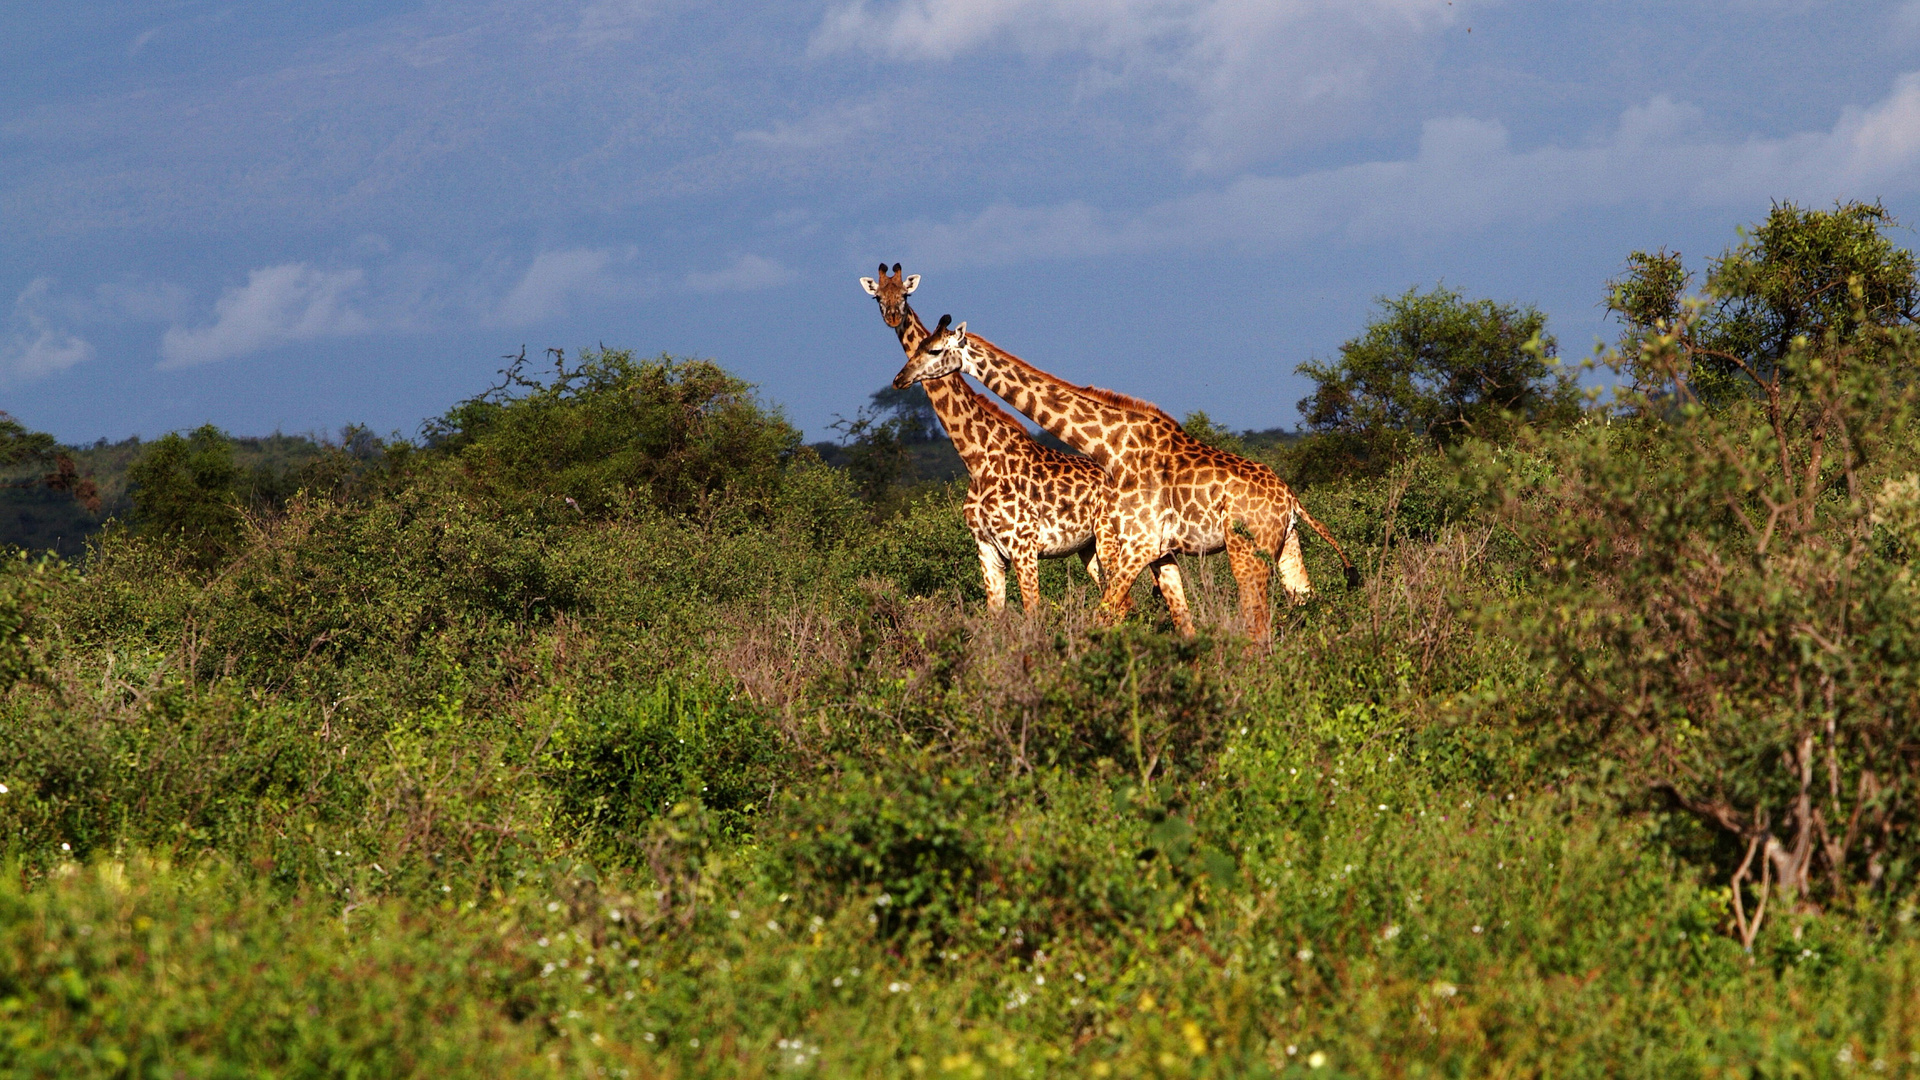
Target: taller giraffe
{"type": "Point", "coordinates": [1173, 493]}
{"type": "Point", "coordinates": [1025, 502]}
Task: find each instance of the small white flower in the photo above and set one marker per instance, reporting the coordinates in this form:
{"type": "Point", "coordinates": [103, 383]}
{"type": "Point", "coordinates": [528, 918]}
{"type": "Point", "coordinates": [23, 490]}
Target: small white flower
{"type": "Point", "coordinates": [1039, 980]}
{"type": "Point", "coordinates": [1476, 928]}
{"type": "Point", "coordinates": [1445, 989]}
{"type": "Point", "coordinates": [773, 926]}
{"type": "Point", "coordinates": [648, 1036]}
{"type": "Point", "coordinates": [1292, 1049]}
{"type": "Point", "coordinates": [553, 906]}
{"type": "Point", "coordinates": [446, 888]}
{"type": "Point", "coordinates": [1316, 1059]}
{"type": "Point", "coordinates": [631, 964]}
{"type": "Point", "coordinates": [64, 847]}
{"type": "Point", "coordinates": [882, 900]}
{"type": "Point", "coordinates": [1390, 932]}
{"type": "Point", "coordinates": [836, 980]}
{"type": "Point", "coordinates": [3, 789]}
{"type": "Point", "coordinates": [546, 971]}
{"type": "Point", "coordinates": [1383, 806]}
{"type": "Point", "coordinates": [629, 995]}
{"type": "Point", "coordinates": [1304, 955]}
{"type": "Point", "coordinates": [898, 987]}
{"type": "Point", "coordinates": [733, 914]}
{"type": "Point", "coordinates": [695, 1043]}
{"type": "Point", "coordinates": [1077, 977]}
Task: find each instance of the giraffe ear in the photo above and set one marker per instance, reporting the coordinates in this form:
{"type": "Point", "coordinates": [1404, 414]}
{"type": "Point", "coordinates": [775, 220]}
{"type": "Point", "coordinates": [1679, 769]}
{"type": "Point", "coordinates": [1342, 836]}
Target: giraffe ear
{"type": "Point", "coordinates": [960, 334]}
{"type": "Point", "coordinates": [872, 286]}
{"type": "Point", "coordinates": [913, 282]}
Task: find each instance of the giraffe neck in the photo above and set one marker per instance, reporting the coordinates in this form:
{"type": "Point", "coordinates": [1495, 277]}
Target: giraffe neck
{"type": "Point", "coordinates": [911, 330]}
{"type": "Point", "coordinates": [1097, 423]}
{"type": "Point", "coordinates": [980, 431]}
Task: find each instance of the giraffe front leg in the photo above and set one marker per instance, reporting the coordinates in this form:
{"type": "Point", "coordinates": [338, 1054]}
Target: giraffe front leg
{"type": "Point", "coordinates": [1026, 567]}
{"type": "Point", "coordinates": [1166, 573]}
{"type": "Point", "coordinates": [993, 572]}
{"type": "Point", "coordinates": [1250, 571]}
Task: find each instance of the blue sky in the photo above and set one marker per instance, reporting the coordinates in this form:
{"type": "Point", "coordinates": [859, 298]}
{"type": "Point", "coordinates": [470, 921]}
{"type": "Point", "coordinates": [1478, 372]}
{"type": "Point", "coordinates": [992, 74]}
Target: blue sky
{"type": "Point", "coordinates": [294, 216]}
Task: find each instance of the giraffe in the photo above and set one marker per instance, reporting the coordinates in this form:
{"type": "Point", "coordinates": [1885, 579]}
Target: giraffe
{"type": "Point", "coordinates": [1025, 502]}
{"type": "Point", "coordinates": [1173, 493]}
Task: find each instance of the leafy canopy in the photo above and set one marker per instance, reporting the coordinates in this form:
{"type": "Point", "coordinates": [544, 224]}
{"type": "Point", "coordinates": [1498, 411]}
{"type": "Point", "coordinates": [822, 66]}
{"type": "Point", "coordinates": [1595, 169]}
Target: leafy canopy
{"type": "Point", "coordinates": [672, 432]}
{"type": "Point", "coordinates": [1436, 367]}
{"type": "Point", "coordinates": [186, 490]}
{"type": "Point", "coordinates": [1825, 275]}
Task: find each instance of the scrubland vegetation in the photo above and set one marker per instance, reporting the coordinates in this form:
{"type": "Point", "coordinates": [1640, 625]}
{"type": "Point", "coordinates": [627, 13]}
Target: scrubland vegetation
{"type": "Point", "coordinates": [606, 730]}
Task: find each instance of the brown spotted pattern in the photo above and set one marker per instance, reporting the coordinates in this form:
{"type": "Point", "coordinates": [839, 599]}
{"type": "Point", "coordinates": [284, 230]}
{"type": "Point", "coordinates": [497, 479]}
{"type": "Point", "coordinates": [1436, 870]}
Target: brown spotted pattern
{"type": "Point", "coordinates": [1173, 495]}
{"type": "Point", "coordinates": [1025, 502]}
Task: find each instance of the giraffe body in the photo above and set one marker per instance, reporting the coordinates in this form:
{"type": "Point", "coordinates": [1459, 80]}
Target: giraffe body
{"type": "Point", "coordinates": [1025, 502]}
{"type": "Point", "coordinates": [1173, 495]}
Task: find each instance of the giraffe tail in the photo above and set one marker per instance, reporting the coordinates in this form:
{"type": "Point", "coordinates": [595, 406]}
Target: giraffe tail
{"type": "Point", "coordinates": [1353, 572]}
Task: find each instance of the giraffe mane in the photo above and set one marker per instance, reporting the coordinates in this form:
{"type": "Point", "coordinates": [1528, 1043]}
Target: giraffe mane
{"type": "Point", "coordinates": [1111, 397]}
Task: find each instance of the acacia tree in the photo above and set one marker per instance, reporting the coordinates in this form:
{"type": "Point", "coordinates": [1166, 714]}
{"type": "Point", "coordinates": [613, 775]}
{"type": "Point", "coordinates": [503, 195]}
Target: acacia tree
{"type": "Point", "coordinates": [1817, 275]}
{"type": "Point", "coordinates": [1435, 367]}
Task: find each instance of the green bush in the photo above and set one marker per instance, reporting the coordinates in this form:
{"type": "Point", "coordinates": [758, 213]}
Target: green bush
{"type": "Point", "coordinates": [618, 761]}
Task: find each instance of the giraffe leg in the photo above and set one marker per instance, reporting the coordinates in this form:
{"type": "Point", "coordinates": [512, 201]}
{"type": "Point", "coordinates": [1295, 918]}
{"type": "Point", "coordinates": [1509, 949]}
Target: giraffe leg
{"type": "Point", "coordinates": [1251, 573]}
{"type": "Point", "coordinates": [1090, 558]}
{"type": "Point", "coordinates": [993, 572]}
{"type": "Point", "coordinates": [1116, 598]}
{"type": "Point", "coordinates": [1293, 568]}
{"type": "Point", "coordinates": [1166, 573]}
{"type": "Point", "coordinates": [1026, 567]}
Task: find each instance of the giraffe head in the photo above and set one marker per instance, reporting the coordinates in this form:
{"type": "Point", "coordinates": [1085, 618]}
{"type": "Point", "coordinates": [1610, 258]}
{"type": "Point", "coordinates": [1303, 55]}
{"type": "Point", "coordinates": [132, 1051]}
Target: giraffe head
{"type": "Point", "coordinates": [892, 292]}
{"type": "Point", "coordinates": [942, 352]}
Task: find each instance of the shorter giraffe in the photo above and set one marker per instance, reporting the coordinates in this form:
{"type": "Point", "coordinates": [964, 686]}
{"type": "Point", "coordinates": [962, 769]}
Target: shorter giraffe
{"type": "Point", "coordinates": [1025, 502]}
{"type": "Point", "coordinates": [1172, 493]}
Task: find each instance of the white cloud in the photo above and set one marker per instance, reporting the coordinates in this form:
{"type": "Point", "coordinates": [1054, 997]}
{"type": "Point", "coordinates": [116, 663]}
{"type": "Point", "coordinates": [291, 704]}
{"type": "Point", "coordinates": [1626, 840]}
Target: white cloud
{"type": "Point", "coordinates": [748, 272]}
{"type": "Point", "coordinates": [556, 277]}
{"type": "Point", "coordinates": [1466, 175]}
{"type": "Point", "coordinates": [1264, 73]}
{"type": "Point", "coordinates": [33, 347]}
{"type": "Point", "coordinates": [279, 305]}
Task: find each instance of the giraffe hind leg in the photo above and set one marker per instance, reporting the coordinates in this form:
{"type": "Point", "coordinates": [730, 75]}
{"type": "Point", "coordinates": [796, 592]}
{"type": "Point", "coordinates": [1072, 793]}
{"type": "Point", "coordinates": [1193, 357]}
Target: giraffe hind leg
{"type": "Point", "coordinates": [1116, 598]}
{"type": "Point", "coordinates": [1166, 573]}
{"type": "Point", "coordinates": [1026, 567]}
{"type": "Point", "coordinates": [993, 573]}
{"type": "Point", "coordinates": [1293, 567]}
{"type": "Point", "coordinates": [1250, 572]}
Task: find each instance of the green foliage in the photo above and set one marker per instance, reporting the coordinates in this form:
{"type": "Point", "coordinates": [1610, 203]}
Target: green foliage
{"type": "Point", "coordinates": [1438, 368]}
{"type": "Point", "coordinates": [673, 434]}
{"type": "Point", "coordinates": [185, 493]}
{"type": "Point", "coordinates": [1201, 426]}
{"type": "Point", "coordinates": [19, 446]}
{"type": "Point", "coordinates": [1812, 274]}
{"type": "Point", "coordinates": [26, 635]}
{"type": "Point", "coordinates": [618, 761]}
{"type": "Point", "coordinates": [1729, 624]}
{"type": "Point", "coordinates": [927, 550]}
